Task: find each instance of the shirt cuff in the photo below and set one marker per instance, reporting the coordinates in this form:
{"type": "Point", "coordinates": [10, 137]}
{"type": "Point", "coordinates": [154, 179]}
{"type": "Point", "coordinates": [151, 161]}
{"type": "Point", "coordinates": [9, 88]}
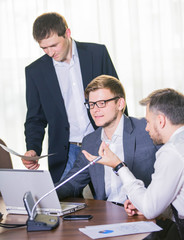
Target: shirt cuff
{"type": "Point", "coordinates": [126, 175]}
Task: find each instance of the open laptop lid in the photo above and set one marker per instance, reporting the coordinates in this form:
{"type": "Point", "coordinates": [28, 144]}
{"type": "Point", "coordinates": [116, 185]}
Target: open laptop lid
{"type": "Point", "coordinates": [15, 183]}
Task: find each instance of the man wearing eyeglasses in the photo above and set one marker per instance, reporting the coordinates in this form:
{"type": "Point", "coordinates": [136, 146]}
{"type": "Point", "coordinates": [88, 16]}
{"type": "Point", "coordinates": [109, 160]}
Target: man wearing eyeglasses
{"type": "Point", "coordinates": [126, 137]}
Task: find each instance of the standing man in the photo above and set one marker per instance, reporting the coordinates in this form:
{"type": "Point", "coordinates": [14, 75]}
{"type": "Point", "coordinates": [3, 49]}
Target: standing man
{"type": "Point", "coordinates": [165, 124]}
{"type": "Point", "coordinates": [55, 86]}
{"type": "Point", "coordinates": [126, 136]}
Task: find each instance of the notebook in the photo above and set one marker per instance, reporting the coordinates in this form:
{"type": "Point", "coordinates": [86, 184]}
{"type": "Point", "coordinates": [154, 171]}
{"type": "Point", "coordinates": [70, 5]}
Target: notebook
{"type": "Point", "coordinates": [15, 183]}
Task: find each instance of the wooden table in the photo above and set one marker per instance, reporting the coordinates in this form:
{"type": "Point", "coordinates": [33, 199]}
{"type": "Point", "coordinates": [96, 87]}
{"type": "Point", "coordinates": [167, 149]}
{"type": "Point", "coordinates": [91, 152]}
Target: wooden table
{"type": "Point", "coordinates": [103, 213]}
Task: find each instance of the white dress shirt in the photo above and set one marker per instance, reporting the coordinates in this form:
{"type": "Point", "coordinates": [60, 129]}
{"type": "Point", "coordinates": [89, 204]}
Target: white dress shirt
{"type": "Point", "coordinates": [113, 184]}
{"type": "Point", "coordinates": [70, 82]}
{"type": "Point", "coordinates": [167, 185]}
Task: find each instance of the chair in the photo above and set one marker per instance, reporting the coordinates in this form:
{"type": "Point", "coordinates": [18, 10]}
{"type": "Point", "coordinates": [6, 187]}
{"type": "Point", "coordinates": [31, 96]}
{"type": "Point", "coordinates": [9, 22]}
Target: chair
{"type": "Point", "coordinates": [5, 158]}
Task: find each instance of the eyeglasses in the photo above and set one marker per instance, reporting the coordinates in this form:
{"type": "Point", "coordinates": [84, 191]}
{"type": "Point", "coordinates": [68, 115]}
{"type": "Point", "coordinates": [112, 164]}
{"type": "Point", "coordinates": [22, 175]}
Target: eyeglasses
{"type": "Point", "coordinates": [99, 104]}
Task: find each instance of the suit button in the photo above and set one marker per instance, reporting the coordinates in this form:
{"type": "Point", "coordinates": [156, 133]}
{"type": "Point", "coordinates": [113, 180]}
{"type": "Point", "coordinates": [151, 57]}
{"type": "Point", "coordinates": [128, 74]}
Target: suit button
{"type": "Point", "coordinates": [65, 147]}
{"type": "Point", "coordinates": [67, 128]}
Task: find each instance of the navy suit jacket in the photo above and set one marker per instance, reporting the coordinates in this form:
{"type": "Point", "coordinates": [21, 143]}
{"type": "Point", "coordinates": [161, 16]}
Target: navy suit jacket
{"type": "Point", "coordinates": [46, 105]}
{"type": "Point", "coordinates": [139, 155]}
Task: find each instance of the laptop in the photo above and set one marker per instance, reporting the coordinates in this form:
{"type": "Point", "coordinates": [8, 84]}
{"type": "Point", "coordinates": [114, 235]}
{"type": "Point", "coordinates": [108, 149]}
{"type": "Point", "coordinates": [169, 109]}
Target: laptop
{"type": "Point", "coordinates": [15, 183]}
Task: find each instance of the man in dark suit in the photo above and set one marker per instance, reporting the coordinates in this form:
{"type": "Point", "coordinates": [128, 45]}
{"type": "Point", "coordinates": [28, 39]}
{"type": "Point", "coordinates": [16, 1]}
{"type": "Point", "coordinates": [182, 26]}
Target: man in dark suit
{"type": "Point", "coordinates": [55, 86]}
{"type": "Point", "coordinates": [126, 137]}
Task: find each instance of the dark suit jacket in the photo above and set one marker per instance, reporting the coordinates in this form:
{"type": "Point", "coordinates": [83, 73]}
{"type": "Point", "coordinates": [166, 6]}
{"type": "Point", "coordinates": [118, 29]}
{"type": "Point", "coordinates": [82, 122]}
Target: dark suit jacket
{"type": "Point", "coordinates": [46, 105]}
{"type": "Point", "coordinates": [139, 155]}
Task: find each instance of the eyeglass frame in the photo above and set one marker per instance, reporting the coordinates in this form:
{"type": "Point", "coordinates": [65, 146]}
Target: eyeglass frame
{"type": "Point", "coordinates": [96, 103]}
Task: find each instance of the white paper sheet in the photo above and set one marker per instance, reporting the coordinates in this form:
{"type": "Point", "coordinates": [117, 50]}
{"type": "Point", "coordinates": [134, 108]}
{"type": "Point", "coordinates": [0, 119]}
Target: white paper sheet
{"type": "Point", "coordinates": [22, 156]}
{"type": "Point", "coordinates": [119, 229]}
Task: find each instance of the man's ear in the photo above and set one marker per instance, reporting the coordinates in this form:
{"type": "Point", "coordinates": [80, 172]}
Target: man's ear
{"type": "Point", "coordinates": [68, 33]}
{"type": "Point", "coordinates": [161, 120]}
{"type": "Point", "coordinates": [122, 104]}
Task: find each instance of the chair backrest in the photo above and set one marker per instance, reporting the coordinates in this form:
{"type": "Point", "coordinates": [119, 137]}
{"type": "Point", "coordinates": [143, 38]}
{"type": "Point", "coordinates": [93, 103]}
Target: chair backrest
{"type": "Point", "coordinates": [5, 158]}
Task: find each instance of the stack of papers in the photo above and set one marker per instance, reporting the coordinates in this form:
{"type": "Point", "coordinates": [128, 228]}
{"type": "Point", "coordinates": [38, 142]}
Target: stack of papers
{"type": "Point", "coordinates": [119, 229]}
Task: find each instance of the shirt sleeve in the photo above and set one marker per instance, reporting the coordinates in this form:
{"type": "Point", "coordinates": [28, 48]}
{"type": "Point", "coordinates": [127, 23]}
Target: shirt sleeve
{"type": "Point", "coordinates": [163, 189]}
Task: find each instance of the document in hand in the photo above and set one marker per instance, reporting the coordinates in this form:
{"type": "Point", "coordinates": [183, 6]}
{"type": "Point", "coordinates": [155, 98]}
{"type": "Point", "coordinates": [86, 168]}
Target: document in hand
{"type": "Point", "coordinates": [22, 156]}
{"type": "Point", "coordinates": [119, 229]}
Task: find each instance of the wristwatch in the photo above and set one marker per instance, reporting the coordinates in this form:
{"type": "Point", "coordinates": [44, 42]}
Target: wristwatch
{"type": "Point", "coordinates": [117, 168]}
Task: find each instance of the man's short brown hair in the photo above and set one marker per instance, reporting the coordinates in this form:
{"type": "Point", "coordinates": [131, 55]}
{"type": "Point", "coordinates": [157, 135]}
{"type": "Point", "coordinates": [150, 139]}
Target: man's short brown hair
{"type": "Point", "coordinates": [107, 82]}
{"type": "Point", "coordinates": [47, 24]}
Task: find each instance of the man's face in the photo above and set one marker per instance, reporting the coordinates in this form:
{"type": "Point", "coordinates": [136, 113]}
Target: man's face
{"type": "Point", "coordinates": [108, 116]}
{"type": "Point", "coordinates": [57, 47]}
{"type": "Point", "coordinates": [152, 126]}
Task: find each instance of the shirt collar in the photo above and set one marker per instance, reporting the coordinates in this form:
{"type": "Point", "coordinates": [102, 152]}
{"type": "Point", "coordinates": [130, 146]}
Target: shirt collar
{"type": "Point", "coordinates": [74, 54]}
{"type": "Point", "coordinates": [177, 131]}
{"type": "Point", "coordinates": [118, 132]}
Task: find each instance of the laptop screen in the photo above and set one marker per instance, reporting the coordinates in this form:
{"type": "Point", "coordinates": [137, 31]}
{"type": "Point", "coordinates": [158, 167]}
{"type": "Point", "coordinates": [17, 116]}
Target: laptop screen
{"type": "Point", "coordinates": [15, 183]}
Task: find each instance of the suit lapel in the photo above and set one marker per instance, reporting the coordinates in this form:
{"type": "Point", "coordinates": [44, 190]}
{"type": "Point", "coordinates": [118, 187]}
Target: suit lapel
{"type": "Point", "coordinates": [86, 63]}
{"type": "Point", "coordinates": [100, 172]}
{"type": "Point", "coordinates": [97, 170]}
{"type": "Point", "coordinates": [128, 142]}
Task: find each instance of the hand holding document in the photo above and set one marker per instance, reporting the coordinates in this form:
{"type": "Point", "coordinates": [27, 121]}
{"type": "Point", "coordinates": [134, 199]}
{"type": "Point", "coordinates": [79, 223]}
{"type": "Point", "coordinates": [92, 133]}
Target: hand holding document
{"type": "Point", "coordinates": [120, 229]}
{"type": "Point", "coordinates": [22, 156]}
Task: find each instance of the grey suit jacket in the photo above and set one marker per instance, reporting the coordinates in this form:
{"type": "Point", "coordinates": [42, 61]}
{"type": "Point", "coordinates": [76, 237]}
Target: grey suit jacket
{"type": "Point", "coordinates": [139, 155]}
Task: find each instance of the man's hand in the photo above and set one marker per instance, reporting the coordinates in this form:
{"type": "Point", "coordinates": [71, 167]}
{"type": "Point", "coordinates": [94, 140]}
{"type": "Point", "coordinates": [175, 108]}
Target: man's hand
{"type": "Point", "coordinates": [108, 157]}
{"type": "Point", "coordinates": [130, 209]}
{"type": "Point", "coordinates": [30, 164]}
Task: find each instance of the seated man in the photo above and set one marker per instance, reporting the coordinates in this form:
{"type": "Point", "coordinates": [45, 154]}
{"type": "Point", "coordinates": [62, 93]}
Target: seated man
{"type": "Point", "coordinates": [165, 124]}
{"type": "Point", "coordinates": [126, 136]}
